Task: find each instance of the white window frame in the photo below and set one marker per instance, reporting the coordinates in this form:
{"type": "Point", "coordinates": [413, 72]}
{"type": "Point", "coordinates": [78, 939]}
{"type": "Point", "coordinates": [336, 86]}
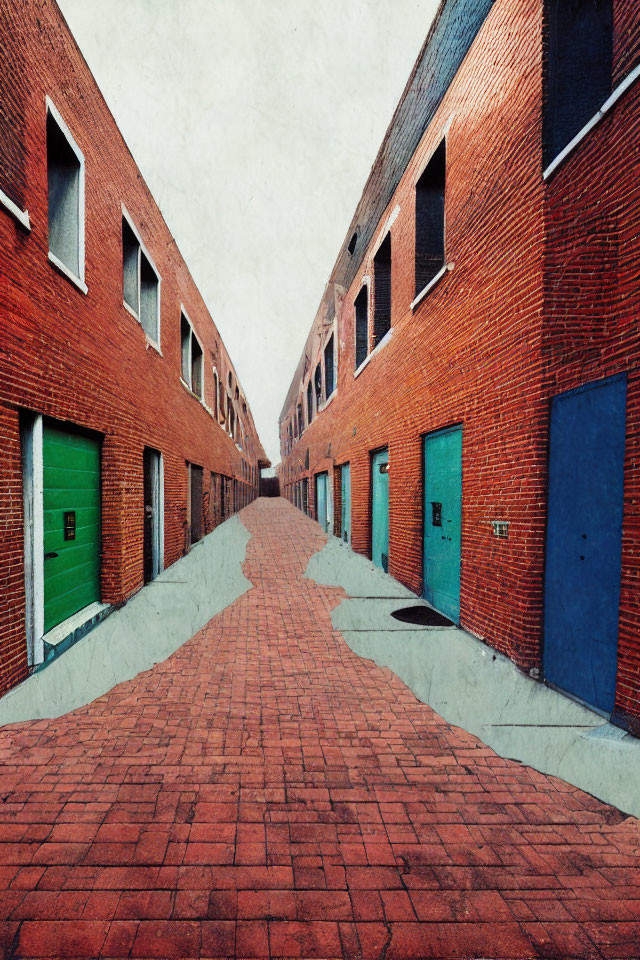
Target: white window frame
{"type": "Point", "coordinates": [193, 334]}
{"type": "Point", "coordinates": [33, 496]}
{"type": "Point", "coordinates": [78, 281]}
{"type": "Point", "coordinates": [142, 249]}
{"type": "Point", "coordinates": [609, 103]}
{"type": "Point", "coordinates": [22, 216]}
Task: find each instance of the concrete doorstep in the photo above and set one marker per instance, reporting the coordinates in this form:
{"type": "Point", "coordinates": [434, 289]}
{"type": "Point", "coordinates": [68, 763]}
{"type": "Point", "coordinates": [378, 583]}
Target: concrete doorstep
{"type": "Point", "coordinates": [476, 688]}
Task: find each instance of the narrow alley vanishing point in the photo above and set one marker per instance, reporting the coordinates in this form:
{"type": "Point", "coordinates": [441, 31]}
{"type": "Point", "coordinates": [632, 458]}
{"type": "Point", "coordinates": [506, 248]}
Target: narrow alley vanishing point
{"type": "Point", "coordinates": [265, 792]}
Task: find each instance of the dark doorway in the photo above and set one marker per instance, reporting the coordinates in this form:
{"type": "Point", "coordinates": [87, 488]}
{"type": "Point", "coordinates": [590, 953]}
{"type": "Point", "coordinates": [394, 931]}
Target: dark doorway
{"type": "Point", "coordinates": [195, 493]}
{"type": "Point", "coordinates": [153, 509]}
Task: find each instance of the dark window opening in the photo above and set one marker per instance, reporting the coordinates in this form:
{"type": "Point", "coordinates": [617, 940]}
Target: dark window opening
{"type": "Point", "coordinates": [300, 420]}
{"type": "Point", "coordinates": [578, 68]}
{"type": "Point", "coordinates": [317, 382]}
{"type": "Point", "coordinates": [382, 290]}
{"type": "Point", "coordinates": [352, 244]}
{"type": "Point", "coordinates": [63, 180]}
{"type": "Point", "coordinates": [309, 402]}
{"type": "Point", "coordinates": [430, 192]}
{"type": "Point", "coordinates": [362, 326]}
{"type": "Point", "coordinates": [329, 372]}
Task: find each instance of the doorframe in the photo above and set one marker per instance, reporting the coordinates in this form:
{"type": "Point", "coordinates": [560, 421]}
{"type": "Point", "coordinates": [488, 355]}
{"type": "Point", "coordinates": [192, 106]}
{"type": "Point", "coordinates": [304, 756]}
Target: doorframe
{"type": "Point", "coordinates": [31, 430]}
{"type": "Point", "coordinates": [372, 454]}
{"type": "Point", "coordinates": [459, 425]}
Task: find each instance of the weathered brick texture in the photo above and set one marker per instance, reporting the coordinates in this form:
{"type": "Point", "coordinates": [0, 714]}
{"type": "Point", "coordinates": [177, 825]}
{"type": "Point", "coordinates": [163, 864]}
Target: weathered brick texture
{"type": "Point", "coordinates": [83, 359]}
{"type": "Point", "coordinates": [542, 296]}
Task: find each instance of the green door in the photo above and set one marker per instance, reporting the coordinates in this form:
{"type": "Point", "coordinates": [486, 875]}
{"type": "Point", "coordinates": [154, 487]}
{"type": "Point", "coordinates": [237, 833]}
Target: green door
{"type": "Point", "coordinates": [345, 524]}
{"type": "Point", "coordinates": [442, 520]}
{"type": "Point", "coordinates": [380, 509]}
{"type": "Point", "coordinates": [71, 467]}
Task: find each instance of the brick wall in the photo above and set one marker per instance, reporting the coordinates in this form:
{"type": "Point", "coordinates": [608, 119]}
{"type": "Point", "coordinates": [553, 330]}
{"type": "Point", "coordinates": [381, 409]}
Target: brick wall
{"type": "Point", "coordinates": [84, 359]}
{"type": "Point", "coordinates": [542, 296]}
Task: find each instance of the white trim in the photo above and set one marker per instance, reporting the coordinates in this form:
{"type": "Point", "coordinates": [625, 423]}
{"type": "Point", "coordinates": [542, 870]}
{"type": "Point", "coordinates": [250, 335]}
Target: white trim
{"type": "Point", "coordinates": [22, 216]}
{"type": "Point", "coordinates": [130, 310]}
{"type": "Point", "coordinates": [434, 280]}
{"type": "Point", "coordinates": [64, 129]}
{"type": "Point", "coordinates": [127, 216]}
{"type": "Point", "coordinates": [328, 401]}
{"type": "Point", "coordinates": [143, 251]}
{"type": "Point", "coordinates": [379, 346]}
{"type": "Point", "coordinates": [33, 494]}
{"type": "Point", "coordinates": [152, 343]}
{"type": "Point", "coordinates": [69, 274]}
{"type": "Point", "coordinates": [382, 235]}
{"type": "Point", "coordinates": [588, 127]}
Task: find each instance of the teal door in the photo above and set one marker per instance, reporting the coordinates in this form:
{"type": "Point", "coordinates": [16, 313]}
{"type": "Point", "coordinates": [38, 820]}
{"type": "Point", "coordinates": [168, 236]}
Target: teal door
{"type": "Point", "coordinates": [322, 501]}
{"type": "Point", "coordinates": [380, 509]}
{"type": "Point", "coordinates": [71, 475]}
{"type": "Point", "coordinates": [443, 520]}
{"type": "Point", "coordinates": [345, 519]}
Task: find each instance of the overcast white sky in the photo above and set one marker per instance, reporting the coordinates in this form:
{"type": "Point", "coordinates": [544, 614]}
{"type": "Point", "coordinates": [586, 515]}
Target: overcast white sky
{"type": "Point", "coordinates": [255, 124]}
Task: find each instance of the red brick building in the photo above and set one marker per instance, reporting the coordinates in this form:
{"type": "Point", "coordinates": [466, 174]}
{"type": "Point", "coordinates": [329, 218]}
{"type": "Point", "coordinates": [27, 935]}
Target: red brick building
{"type": "Point", "coordinates": [124, 431]}
{"type": "Point", "coordinates": [466, 411]}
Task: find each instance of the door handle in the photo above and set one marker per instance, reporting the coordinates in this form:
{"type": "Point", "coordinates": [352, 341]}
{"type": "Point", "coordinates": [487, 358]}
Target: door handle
{"type": "Point", "coordinates": [50, 556]}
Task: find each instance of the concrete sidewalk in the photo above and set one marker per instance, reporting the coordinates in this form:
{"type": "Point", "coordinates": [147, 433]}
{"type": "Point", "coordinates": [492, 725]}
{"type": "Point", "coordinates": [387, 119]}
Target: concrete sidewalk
{"type": "Point", "coordinates": [265, 792]}
{"type": "Point", "coordinates": [478, 689]}
{"type": "Point", "coordinates": [146, 630]}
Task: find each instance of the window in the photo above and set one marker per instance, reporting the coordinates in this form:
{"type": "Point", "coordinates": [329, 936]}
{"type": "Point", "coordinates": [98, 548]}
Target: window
{"type": "Point", "coordinates": [352, 244]}
{"type": "Point", "coordinates": [430, 191]}
{"type": "Point", "coordinates": [309, 402]}
{"type": "Point", "coordinates": [382, 290]}
{"type": "Point", "coordinates": [300, 420]}
{"type": "Point", "coordinates": [361, 306]}
{"type": "Point", "coordinates": [215, 394]}
{"type": "Point", "coordinates": [317, 380]}
{"type": "Point", "coordinates": [192, 358]}
{"type": "Point", "coordinates": [329, 370]}
{"type": "Point", "coordinates": [222, 411]}
{"type": "Point", "coordinates": [578, 68]}
{"type": "Point", "coordinates": [65, 182]}
{"type": "Point", "coordinates": [140, 281]}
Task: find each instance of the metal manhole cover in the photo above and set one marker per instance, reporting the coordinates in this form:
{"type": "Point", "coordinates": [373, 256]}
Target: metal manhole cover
{"type": "Point", "coordinates": [422, 617]}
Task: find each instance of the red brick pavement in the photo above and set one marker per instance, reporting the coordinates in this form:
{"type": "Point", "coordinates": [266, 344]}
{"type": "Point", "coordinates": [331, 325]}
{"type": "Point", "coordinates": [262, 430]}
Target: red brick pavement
{"type": "Point", "coordinates": [267, 793]}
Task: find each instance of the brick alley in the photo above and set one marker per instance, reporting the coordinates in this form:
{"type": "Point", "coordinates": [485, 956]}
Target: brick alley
{"type": "Point", "coordinates": [265, 792]}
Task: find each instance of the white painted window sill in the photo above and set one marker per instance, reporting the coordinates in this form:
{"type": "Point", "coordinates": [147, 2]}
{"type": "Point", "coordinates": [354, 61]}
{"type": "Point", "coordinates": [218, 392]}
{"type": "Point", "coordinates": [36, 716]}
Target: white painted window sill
{"type": "Point", "coordinates": [194, 395]}
{"type": "Point", "coordinates": [22, 216]}
{"type": "Point", "coordinates": [378, 347]}
{"type": "Point", "coordinates": [150, 341]}
{"type": "Point", "coordinates": [66, 272]}
{"type": "Point", "coordinates": [432, 283]}
{"type": "Point", "coordinates": [327, 402]}
{"type": "Point", "coordinates": [154, 344]}
{"type": "Point", "coordinates": [609, 103]}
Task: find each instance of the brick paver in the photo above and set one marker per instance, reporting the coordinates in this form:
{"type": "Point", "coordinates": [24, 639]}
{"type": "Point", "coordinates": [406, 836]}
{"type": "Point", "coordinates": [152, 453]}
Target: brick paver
{"type": "Point", "coordinates": [267, 793]}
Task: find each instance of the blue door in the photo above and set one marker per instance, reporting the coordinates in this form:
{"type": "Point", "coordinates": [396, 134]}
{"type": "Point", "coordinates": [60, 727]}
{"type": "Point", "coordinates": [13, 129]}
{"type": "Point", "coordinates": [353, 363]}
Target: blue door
{"type": "Point", "coordinates": [443, 520]}
{"type": "Point", "coordinates": [322, 501]}
{"type": "Point", "coordinates": [380, 509]}
{"type": "Point", "coordinates": [584, 541]}
{"type": "Point", "coordinates": [345, 520]}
